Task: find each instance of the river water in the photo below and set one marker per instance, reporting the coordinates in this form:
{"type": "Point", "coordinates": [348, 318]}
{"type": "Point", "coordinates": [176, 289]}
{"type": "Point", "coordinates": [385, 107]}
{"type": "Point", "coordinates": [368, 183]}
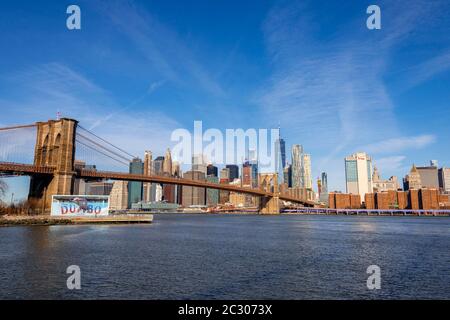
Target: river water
{"type": "Point", "coordinates": [231, 257]}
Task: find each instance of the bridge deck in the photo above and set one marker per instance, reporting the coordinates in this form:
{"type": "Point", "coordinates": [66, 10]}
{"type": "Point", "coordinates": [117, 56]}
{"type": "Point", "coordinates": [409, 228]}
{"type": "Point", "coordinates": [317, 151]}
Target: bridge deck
{"type": "Point", "coordinates": [26, 169]}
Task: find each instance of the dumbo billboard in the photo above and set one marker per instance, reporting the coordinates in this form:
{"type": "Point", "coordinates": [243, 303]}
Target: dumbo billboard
{"type": "Point", "coordinates": [83, 205]}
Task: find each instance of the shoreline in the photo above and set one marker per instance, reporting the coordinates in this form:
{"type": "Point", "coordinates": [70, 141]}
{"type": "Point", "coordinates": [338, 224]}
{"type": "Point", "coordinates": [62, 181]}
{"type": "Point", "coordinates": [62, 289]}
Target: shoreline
{"type": "Point", "coordinates": [47, 220]}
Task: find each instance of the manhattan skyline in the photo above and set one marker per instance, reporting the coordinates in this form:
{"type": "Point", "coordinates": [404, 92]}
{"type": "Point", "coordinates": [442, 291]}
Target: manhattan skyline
{"type": "Point", "coordinates": [137, 71]}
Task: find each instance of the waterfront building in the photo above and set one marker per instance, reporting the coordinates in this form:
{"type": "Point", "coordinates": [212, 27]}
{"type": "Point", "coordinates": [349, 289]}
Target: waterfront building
{"type": "Point", "coordinates": [234, 171]}
{"type": "Point", "coordinates": [134, 187]}
{"type": "Point", "coordinates": [380, 185]}
{"type": "Point", "coordinates": [194, 195]}
{"type": "Point", "coordinates": [358, 174]}
{"type": "Point", "coordinates": [297, 151]}
{"type": "Point", "coordinates": [444, 179]}
{"type": "Point", "coordinates": [118, 198]}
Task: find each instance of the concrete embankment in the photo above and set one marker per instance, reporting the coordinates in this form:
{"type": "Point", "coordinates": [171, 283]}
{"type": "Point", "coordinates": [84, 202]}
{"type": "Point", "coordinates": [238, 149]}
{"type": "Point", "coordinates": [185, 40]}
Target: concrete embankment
{"type": "Point", "coordinates": [52, 220]}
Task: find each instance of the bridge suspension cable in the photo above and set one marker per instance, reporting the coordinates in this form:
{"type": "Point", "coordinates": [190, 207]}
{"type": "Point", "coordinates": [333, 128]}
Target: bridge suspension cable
{"type": "Point", "coordinates": [96, 151]}
{"type": "Point", "coordinates": [109, 143]}
{"type": "Point", "coordinates": [103, 153]}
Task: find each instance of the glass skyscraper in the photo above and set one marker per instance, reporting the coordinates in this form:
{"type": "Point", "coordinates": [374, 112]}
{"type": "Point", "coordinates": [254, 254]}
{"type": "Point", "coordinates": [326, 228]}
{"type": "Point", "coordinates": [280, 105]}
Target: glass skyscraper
{"type": "Point", "coordinates": [134, 187]}
{"type": "Point", "coordinates": [358, 174]}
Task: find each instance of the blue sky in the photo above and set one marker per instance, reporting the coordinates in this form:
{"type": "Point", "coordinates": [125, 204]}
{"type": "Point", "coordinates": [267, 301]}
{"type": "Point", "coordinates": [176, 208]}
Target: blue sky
{"type": "Point", "coordinates": [140, 69]}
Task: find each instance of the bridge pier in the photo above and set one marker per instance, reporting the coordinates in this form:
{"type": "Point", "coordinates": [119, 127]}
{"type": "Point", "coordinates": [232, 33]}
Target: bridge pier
{"type": "Point", "coordinates": [55, 147]}
{"type": "Point", "coordinates": [269, 205]}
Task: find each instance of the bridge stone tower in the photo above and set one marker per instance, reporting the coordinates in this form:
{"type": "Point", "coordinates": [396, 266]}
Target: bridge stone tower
{"type": "Point", "coordinates": [55, 147]}
{"type": "Point", "coordinates": [269, 183]}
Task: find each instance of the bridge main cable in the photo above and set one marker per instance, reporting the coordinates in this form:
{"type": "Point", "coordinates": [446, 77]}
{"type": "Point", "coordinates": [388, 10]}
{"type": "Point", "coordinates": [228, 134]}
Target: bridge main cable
{"type": "Point", "coordinates": [18, 127]}
{"type": "Point", "coordinates": [132, 156]}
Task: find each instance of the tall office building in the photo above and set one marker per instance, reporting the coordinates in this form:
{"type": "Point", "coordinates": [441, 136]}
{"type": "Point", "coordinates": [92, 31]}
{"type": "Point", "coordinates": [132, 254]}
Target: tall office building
{"type": "Point", "coordinates": [323, 194]}
{"type": "Point", "coordinates": [212, 195]}
{"type": "Point", "coordinates": [234, 171]}
{"type": "Point", "coordinates": [306, 176]}
{"type": "Point", "coordinates": [194, 195]}
{"type": "Point", "coordinates": [280, 157]}
{"type": "Point", "coordinates": [199, 163]}
{"type": "Point", "coordinates": [287, 172]}
{"type": "Point", "coordinates": [224, 196]}
{"type": "Point", "coordinates": [158, 166]}
{"type": "Point", "coordinates": [250, 174]}
{"type": "Point", "coordinates": [444, 180]}
{"type": "Point", "coordinates": [134, 187]}
{"type": "Point", "coordinates": [167, 163]}
{"type": "Point", "coordinates": [297, 151]}
{"type": "Point", "coordinates": [358, 174]}
{"type": "Point", "coordinates": [149, 189]}
{"type": "Point", "coordinates": [212, 171]}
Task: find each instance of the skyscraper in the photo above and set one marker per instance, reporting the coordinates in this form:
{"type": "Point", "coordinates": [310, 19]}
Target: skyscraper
{"type": "Point", "coordinates": [149, 189]}
{"type": "Point", "coordinates": [280, 157]}
{"type": "Point", "coordinates": [297, 151]}
{"type": "Point", "coordinates": [134, 187]}
{"type": "Point", "coordinates": [158, 166]}
{"type": "Point", "coordinates": [167, 163]}
{"type": "Point", "coordinates": [199, 163]}
{"type": "Point", "coordinates": [212, 171]}
{"type": "Point", "coordinates": [194, 195]}
{"type": "Point", "coordinates": [323, 194]}
{"type": "Point", "coordinates": [306, 176]}
{"type": "Point", "coordinates": [358, 174]}
{"type": "Point", "coordinates": [234, 171]}
{"type": "Point", "coordinates": [288, 175]}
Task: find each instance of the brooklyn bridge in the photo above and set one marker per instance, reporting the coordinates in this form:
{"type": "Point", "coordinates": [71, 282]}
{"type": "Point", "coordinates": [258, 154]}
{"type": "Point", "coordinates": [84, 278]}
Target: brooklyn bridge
{"type": "Point", "coordinates": [57, 144]}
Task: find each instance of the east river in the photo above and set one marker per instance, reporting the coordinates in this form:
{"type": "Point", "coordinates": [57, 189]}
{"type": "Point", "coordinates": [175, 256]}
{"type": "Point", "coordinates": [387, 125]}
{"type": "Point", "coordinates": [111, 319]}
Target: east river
{"type": "Point", "coordinates": [231, 257]}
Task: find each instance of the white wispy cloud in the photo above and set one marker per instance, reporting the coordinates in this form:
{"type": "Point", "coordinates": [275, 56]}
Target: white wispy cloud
{"type": "Point", "coordinates": [399, 144]}
{"type": "Point", "coordinates": [57, 87]}
{"type": "Point", "coordinates": [389, 164]}
{"type": "Point", "coordinates": [161, 46]}
{"type": "Point", "coordinates": [333, 93]}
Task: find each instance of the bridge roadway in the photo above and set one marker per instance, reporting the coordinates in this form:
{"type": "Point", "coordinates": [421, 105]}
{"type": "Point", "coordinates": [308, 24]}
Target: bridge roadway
{"type": "Point", "coordinates": [24, 169]}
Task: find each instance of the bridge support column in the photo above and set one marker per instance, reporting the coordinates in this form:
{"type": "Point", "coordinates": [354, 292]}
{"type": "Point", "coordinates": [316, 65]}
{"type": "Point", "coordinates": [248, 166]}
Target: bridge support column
{"type": "Point", "coordinates": [270, 205]}
{"type": "Point", "coordinates": [55, 147]}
